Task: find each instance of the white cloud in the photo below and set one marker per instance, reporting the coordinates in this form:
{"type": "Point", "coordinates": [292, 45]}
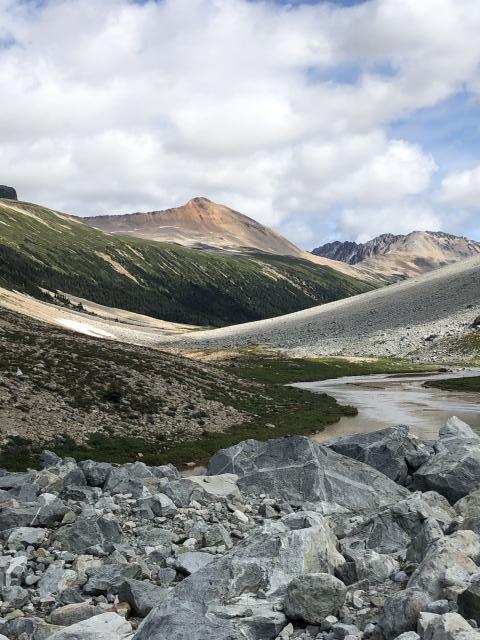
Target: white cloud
{"type": "Point", "coordinates": [113, 106]}
{"type": "Point", "coordinates": [363, 224]}
{"type": "Point", "coordinates": [462, 188]}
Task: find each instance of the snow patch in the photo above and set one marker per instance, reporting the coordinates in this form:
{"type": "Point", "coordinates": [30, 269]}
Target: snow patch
{"type": "Point", "coordinates": [85, 328]}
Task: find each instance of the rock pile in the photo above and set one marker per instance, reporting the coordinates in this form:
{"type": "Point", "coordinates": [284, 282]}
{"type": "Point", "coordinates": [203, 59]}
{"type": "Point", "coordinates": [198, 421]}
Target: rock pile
{"type": "Point", "coordinates": [285, 539]}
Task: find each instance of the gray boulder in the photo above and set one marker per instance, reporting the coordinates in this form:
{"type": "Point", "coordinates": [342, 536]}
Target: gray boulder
{"type": "Point", "coordinates": [141, 596]}
{"type": "Point", "coordinates": [12, 518]}
{"type": "Point", "coordinates": [468, 508]}
{"type": "Point", "coordinates": [16, 480]}
{"type": "Point", "coordinates": [261, 566]}
{"type": "Point", "coordinates": [73, 613]}
{"type": "Point", "coordinates": [401, 612]}
{"type": "Point", "coordinates": [108, 578]}
{"type": "Point", "coordinates": [88, 532]}
{"type": "Point", "coordinates": [221, 486]}
{"type": "Point", "coordinates": [56, 579]}
{"type": "Point", "coordinates": [25, 536]}
{"type": "Point", "coordinates": [107, 626]}
{"type": "Point", "coordinates": [183, 492]}
{"type": "Point", "coordinates": [454, 469]}
{"type": "Point", "coordinates": [164, 471]}
{"type": "Point", "coordinates": [12, 570]}
{"type": "Point", "coordinates": [458, 551]}
{"type": "Point", "coordinates": [450, 626]}
{"type": "Point", "coordinates": [298, 470]}
{"type": "Point", "coordinates": [391, 529]}
{"type": "Point", "coordinates": [192, 561]}
{"type": "Point", "coordinates": [247, 619]}
{"type": "Point", "coordinates": [8, 193]}
{"type": "Point", "coordinates": [313, 597]}
{"type": "Point", "coordinates": [393, 451]}
{"type": "Point", "coordinates": [159, 504]}
{"type": "Point", "coordinates": [16, 597]}
{"type": "Point", "coordinates": [367, 565]}
{"type": "Point", "coordinates": [469, 600]}
{"type": "Point", "coordinates": [95, 472]}
{"type": "Point", "coordinates": [429, 533]}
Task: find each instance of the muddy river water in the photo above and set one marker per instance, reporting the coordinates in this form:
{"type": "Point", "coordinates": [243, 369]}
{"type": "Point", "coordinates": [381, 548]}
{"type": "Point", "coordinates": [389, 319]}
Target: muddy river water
{"type": "Point", "coordinates": [383, 400]}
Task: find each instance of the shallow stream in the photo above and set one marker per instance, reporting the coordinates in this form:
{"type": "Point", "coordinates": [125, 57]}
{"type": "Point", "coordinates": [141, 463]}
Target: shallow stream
{"type": "Point", "coordinates": [385, 400]}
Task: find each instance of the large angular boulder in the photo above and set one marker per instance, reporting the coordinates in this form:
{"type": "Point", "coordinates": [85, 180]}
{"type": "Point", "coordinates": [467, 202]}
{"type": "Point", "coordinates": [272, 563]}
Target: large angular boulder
{"type": "Point", "coordinates": [454, 469]}
{"type": "Point", "coordinates": [95, 472]}
{"type": "Point", "coordinates": [298, 470]}
{"type": "Point", "coordinates": [449, 557]}
{"type": "Point", "coordinates": [368, 565]}
{"type": "Point", "coordinates": [313, 597]}
{"type": "Point", "coordinates": [106, 626]}
{"type": "Point", "coordinates": [141, 596]}
{"type": "Point", "coordinates": [401, 613]}
{"type": "Point", "coordinates": [469, 600]}
{"type": "Point", "coordinates": [192, 561]}
{"type": "Point", "coordinates": [183, 491]}
{"type": "Point", "coordinates": [468, 510]}
{"type": "Point", "coordinates": [260, 567]}
{"type": "Point", "coordinates": [222, 486]}
{"type": "Point", "coordinates": [109, 577]}
{"type": "Point", "coordinates": [88, 532]}
{"type": "Point", "coordinates": [393, 451]}
{"type": "Point", "coordinates": [391, 529]}
{"type": "Point", "coordinates": [449, 626]}
{"type": "Point", "coordinates": [73, 613]}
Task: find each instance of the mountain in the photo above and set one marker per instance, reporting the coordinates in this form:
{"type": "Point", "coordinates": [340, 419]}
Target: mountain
{"type": "Point", "coordinates": [48, 254]}
{"type": "Point", "coordinates": [401, 256]}
{"type": "Point", "coordinates": [425, 314]}
{"type": "Point", "coordinates": [200, 223]}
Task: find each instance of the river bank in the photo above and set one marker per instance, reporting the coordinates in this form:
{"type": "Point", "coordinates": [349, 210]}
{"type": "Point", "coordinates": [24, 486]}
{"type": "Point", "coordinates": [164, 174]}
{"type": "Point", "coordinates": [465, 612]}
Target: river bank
{"type": "Point", "coordinates": [383, 400]}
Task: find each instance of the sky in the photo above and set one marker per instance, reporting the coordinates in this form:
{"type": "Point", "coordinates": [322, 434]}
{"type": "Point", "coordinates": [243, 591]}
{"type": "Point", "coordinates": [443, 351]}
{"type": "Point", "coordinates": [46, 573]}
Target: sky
{"type": "Point", "coordinates": [326, 120]}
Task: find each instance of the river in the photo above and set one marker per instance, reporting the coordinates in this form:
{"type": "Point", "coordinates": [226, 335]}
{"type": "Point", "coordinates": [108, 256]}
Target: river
{"type": "Point", "coordinates": [385, 400]}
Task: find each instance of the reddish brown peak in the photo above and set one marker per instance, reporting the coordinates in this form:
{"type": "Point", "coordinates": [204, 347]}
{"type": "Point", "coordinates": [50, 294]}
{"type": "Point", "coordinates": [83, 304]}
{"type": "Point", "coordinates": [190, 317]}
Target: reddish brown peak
{"type": "Point", "coordinates": [200, 201]}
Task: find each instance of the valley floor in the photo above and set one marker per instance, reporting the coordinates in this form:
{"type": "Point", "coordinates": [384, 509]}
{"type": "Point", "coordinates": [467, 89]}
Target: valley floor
{"type": "Point", "coordinates": [101, 399]}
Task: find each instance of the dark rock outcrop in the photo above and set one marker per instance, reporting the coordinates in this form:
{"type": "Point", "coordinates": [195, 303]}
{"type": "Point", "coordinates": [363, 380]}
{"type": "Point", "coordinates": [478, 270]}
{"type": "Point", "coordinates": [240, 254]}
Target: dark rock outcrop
{"type": "Point", "coordinates": [8, 193]}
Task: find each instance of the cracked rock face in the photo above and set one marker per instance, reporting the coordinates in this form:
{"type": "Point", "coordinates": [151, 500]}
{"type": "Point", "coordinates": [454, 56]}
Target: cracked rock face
{"type": "Point", "coordinates": [392, 451]}
{"type": "Point", "coordinates": [301, 471]}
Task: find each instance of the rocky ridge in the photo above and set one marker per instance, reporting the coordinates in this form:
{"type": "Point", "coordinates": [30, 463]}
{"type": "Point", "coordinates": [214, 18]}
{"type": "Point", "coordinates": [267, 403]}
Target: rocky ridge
{"type": "Point", "coordinates": [284, 539]}
{"type": "Point", "coordinates": [8, 193]}
{"type": "Point", "coordinates": [401, 256]}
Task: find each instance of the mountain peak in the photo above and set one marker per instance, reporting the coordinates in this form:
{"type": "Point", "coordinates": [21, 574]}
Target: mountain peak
{"type": "Point", "coordinates": [403, 255]}
{"type": "Point", "coordinates": [199, 223]}
{"type": "Point", "coordinates": [199, 201]}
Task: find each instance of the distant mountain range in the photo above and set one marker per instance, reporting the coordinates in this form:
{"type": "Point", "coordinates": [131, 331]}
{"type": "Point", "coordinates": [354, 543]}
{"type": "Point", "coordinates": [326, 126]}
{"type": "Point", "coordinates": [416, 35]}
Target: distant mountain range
{"type": "Point", "coordinates": [400, 256]}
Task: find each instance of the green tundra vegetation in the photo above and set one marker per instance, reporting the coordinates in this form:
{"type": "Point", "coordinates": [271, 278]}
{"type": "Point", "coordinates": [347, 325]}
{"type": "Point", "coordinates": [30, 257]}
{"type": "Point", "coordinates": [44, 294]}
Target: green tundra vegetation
{"type": "Point", "coordinates": [44, 251]}
{"type": "Point", "coordinates": [133, 386]}
{"type": "Point", "coordinates": [456, 384]}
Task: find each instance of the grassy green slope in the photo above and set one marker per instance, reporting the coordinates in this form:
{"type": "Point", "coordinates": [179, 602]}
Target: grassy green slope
{"type": "Point", "coordinates": [456, 384]}
{"type": "Point", "coordinates": [42, 249]}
